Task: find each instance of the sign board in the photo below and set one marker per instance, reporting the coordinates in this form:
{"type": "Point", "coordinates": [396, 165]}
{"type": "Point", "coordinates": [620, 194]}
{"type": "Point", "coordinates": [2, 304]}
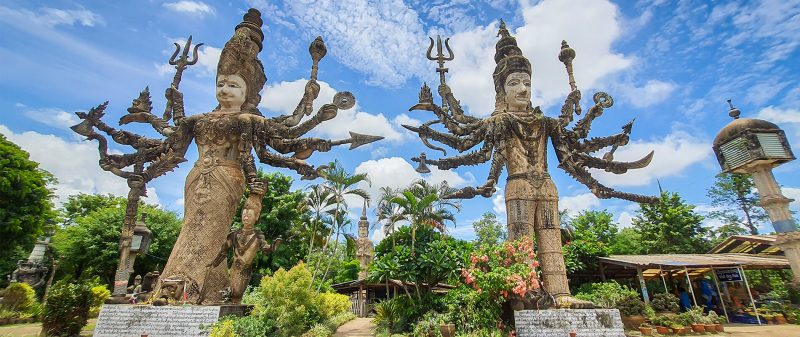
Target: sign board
{"type": "Point", "coordinates": [120, 320]}
{"type": "Point", "coordinates": [560, 322]}
{"type": "Point", "coordinates": [729, 275]}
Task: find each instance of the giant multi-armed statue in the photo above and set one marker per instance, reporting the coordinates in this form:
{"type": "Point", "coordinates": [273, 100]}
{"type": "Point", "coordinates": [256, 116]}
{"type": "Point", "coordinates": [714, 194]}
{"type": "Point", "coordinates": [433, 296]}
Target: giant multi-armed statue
{"type": "Point", "coordinates": [226, 138]}
{"type": "Point", "coordinates": [514, 137]}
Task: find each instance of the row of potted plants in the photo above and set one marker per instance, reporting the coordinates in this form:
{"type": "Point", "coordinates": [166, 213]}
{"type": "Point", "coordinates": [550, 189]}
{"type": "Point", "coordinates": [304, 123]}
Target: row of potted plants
{"type": "Point", "coordinates": [680, 324]}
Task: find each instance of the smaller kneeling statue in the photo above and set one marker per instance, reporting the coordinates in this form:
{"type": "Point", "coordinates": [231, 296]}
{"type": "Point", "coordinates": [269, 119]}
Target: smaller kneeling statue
{"type": "Point", "coordinates": [246, 242]}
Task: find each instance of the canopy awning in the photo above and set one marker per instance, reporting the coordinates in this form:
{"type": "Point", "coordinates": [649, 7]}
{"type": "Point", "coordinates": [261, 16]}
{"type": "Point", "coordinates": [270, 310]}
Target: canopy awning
{"type": "Point", "coordinates": [616, 266]}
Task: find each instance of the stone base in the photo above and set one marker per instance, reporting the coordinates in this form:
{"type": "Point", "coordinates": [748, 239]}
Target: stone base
{"type": "Point", "coordinates": [123, 320]}
{"type": "Point", "coordinates": [560, 322]}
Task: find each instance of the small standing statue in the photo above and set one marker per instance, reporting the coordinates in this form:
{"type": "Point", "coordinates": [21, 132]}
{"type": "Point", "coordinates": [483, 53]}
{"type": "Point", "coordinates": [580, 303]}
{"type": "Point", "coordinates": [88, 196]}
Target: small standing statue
{"type": "Point", "coordinates": [246, 242]}
{"type": "Point", "coordinates": [365, 249]}
{"type": "Point", "coordinates": [515, 138]}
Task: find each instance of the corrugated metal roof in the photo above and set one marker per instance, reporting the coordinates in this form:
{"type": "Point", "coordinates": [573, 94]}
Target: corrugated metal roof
{"type": "Point", "coordinates": [748, 244]}
{"type": "Point", "coordinates": [679, 261]}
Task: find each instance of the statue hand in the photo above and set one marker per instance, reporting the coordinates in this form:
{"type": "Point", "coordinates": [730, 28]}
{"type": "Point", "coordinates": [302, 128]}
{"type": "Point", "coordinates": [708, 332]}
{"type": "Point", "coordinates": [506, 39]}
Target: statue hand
{"type": "Point", "coordinates": [312, 90]}
{"type": "Point", "coordinates": [444, 90]}
{"type": "Point", "coordinates": [172, 93]}
{"type": "Point", "coordinates": [258, 187]}
{"type": "Point", "coordinates": [328, 112]}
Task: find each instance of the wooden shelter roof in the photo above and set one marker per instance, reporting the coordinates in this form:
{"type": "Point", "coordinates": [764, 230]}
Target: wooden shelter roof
{"type": "Point", "coordinates": [618, 266]}
{"type": "Point", "coordinates": [748, 244]}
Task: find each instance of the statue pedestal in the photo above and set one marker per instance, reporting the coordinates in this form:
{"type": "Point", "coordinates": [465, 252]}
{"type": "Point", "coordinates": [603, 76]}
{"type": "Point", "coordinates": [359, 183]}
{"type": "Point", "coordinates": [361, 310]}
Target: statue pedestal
{"type": "Point", "coordinates": [121, 320]}
{"type": "Point", "coordinates": [560, 322]}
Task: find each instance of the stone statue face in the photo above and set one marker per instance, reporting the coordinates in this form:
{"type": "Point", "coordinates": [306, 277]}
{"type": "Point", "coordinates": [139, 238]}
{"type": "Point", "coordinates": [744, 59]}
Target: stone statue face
{"type": "Point", "coordinates": [518, 91]}
{"type": "Point", "coordinates": [231, 91]}
{"type": "Point", "coordinates": [249, 217]}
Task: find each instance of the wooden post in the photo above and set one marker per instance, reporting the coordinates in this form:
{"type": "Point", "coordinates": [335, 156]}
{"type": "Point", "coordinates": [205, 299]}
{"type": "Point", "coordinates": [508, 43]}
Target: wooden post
{"type": "Point", "coordinates": [689, 283]}
{"type": "Point", "coordinates": [643, 285]}
{"type": "Point", "coordinates": [602, 271]}
{"type": "Point", "coordinates": [750, 294]}
{"type": "Point", "coordinates": [719, 292]}
{"type": "Point", "coordinates": [661, 273]}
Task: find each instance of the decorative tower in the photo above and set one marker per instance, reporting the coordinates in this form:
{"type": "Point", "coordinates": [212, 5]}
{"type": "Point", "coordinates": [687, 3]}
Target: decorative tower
{"type": "Point", "coordinates": [364, 249]}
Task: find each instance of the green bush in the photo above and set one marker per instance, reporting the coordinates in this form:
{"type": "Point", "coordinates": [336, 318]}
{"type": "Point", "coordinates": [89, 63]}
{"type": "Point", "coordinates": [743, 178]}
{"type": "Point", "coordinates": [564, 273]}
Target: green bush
{"type": "Point", "coordinates": [19, 297]}
{"type": "Point", "coordinates": [332, 304]}
{"type": "Point", "coordinates": [665, 302]}
{"type": "Point", "coordinates": [99, 296]}
{"type": "Point", "coordinates": [428, 325]}
{"type": "Point", "coordinates": [329, 326]}
{"type": "Point", "coordinates": [472, 311]}
{"type": "Point", "coordinates": [605, 294]}
{"type": "Point", "coordinates": [67, 309]}
{"type": "Point", "coordinates": [387, 316]}
{"type": "Point", "coordinates": [630, 306]}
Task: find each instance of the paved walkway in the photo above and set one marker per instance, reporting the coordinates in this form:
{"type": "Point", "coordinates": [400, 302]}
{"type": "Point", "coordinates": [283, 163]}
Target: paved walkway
{"type": "Point", "coordinates": [357, 327]}
{"type": "Point", "coordinates": [749, 330]}
{"type": "Point", "coordinates": [33, 329]}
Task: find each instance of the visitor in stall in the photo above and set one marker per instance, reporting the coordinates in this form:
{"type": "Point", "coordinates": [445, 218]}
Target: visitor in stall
{"type": "Point", "coordinates": [709, 294]}
{"type": "Point", "coordinates": [683, 297]}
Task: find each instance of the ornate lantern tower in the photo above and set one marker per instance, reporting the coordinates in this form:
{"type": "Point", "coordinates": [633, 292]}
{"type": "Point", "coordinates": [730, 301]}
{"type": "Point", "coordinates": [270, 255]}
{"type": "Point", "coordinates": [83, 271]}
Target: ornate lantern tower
{"type": "Point", "coordinates": [755, 146]}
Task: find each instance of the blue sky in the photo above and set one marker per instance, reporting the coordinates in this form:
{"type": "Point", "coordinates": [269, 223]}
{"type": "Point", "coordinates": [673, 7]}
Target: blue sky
{"type": "Point", "coordinates": [669, 64]}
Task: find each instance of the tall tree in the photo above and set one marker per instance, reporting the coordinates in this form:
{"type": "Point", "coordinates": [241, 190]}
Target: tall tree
{"type": "Point", "coordinates": [25, 207]}
{"type": "Point", "coordinates": [735, 195]}
{"type": "Point", "coordinates": [488, 230]}
{"type": "Point", "coordinates": [389, 213]}
{"type": "Point", "coordinates": [89, 245]}
{"type": "Point", "coordinates": [670, 226]}
{"type": "Point", "coordinates": [593, 233]}
{"type": "Point", "coordinates": [319, 202]}
{"type": "Point", "coordinates": [628, 241]}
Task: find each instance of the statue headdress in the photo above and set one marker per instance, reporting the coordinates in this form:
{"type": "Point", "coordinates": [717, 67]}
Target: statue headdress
{"type": "Point", "coordinates": [240, 57]}
{"type": "Point", "coordinates": [508, 57]}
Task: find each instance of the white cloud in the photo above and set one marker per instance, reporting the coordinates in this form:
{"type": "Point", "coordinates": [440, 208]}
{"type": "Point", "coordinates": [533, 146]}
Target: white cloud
{"type": "Point", "coordinates": [74, 164]}
{"type": "Point", "coordinates": [673, 154]}
{"type": "Point", "coordinates": [499, 202]}
{"type": "Point", "coordinates": [625, 220]}
{"type": "Point", "coordinates": [382, 39]}
{"type": "Point", "coordinates": [379, 152]}
{"type": "Point", "coordinates": [787, 119]}
{"type": "Point", "coordinates": [53, 117]}
{"type": "Point", "coordinates": [283, 97]}
{"type": "Point", "coordinates": [546, 24]}
{"type": "Point", "coordinates": [792, 193]}
{"type": "Point", "coordinates": [198, 8]}
{"type": "Point", "coordinates": [578, 203]}
{"type": "Point", "coordinates": [653, 92]}
{"type": "Point", "coordinates": [396, 172]}
{"type": "Point", "coordinates": [52, 17]}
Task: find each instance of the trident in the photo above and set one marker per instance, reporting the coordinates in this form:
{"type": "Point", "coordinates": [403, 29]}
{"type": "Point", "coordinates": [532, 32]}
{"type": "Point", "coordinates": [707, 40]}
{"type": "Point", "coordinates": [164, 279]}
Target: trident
{"type": "Point", "coordinates": [180, 64]}
{"type": "Point", "coordinates": [441, 59]}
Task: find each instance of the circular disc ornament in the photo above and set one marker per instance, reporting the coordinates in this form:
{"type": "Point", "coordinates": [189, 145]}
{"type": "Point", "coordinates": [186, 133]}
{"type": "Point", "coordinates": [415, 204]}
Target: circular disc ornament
{"type": "Point", "coordinates": [344, 100]}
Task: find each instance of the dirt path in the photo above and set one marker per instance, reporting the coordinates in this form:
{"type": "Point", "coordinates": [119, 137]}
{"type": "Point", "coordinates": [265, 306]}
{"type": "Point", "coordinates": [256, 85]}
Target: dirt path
{"type": "Point", "coordinates": [356, 327]}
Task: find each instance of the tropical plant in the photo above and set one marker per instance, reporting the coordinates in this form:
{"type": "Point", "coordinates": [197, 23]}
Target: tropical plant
{"type": "Point", "coordinates": [665, 302]}
{"type": "Point", "coordinates": [388, 212]}
{"type": "Point", "coordinates": [67, 308]}
{"type": "Point", "coordinates": [387, 316]}
{"type": "Point", "coordinates": [340, 184]}
{"type": "Point", "coordinates": [320, 201]}
{"type": "Point", "coordinates": [606, 294]}
{"type": "Point", "coordinates": [18, 297]}
{"type": "Point", "coordinates": [736, 197]}
{"type": "Point", "coordinates": [670, 226]}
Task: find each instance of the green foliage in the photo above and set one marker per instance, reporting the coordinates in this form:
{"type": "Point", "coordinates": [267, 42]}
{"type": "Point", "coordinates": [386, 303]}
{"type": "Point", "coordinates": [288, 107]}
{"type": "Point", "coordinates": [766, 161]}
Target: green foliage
{"type": "Point", "coordinates": [607, 294]}
{"type": "Point", "coordinates": [347, 271]}
{"type": "Point", "coordinates": [428, 325]}
{"type": "Point", "coordinates": [665, 302]}
{"type": "Point", "coordinates": [99, 295]}
{"type": "Point", "coordinates": [472, 311]}
{"type": "Point", "coordinates": [488, 230]}
{"type": "Point", "coordinates": [224, 328]}
{"type": "Point", "coordinates": [581, 255]}
{"type": "Point", "coordinates": [630, 306]}
{"type": "Point", "coordinates": [438, 258]}
{"type": "Point", "coordinates": [67, 308]}
{"type": "Point", "coordinates": [25, 208]}
{"type": "Point", "coordinates": [389, 316]}
{"type": "Point", "coordinates": [88, 246]}
{"type": "Point", "coordinates": [627, 242]}
{"type": "Point", "coordinates": [670, 226]}
{"type": "Point", "coordinates": [735, 197]}
{"type": "Point", "coordinates": [332, 304]}
{"type": "Point", "coordinates": [18, 297]}
{"type": "Point", "coordinates": [329, 326]}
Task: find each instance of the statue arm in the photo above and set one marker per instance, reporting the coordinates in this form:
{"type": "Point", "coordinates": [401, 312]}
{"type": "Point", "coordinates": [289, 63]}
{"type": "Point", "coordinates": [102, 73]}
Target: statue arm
{"type": "Point", "coordinates": [298, 165]}
{"type": "Point", "coordinates": [454, 141]}
{"type": "Point", "coordinates": [455, 106]}
{"type": "Point", "coordinates": [326, 112]}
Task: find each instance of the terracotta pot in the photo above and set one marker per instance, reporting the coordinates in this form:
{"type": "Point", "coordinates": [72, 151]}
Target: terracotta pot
{"type": "Point", "coordinates": [720, 328]}
{"type": "Point", "coordinates": [448, 330]}
{"type": "Point", "coordinates": [710, 327]}
{"type": "Point", "coordinates": [679, 331]}
{"type": "Point", "coordinates": [633, 322]}
{"type": "Point", "coordinates": [573, 334]}
{"type": "Point", "coordinates": [663, 330]}
{"type": "Point", "coordinates": [780, 319]}
{"type": "Point", "coordinates": [646, 331]}
{"type": "Point", "coordinates": [699, 328]}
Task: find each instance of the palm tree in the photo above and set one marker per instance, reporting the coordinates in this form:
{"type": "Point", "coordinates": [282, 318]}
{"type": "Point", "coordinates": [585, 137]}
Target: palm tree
{"type": "Point", "coordinates": [388, 212]}
{"type": "Point", "coordinates": [320, 201]}
{"type": "Point", "coordinates": [422, 211]}
{"type": "Point", "coordinates": [340, 184]}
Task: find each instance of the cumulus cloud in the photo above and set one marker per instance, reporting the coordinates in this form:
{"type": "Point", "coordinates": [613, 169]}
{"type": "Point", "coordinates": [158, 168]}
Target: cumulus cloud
{"type": "Point", "coordinates": [652, 92]}
{"type": "Point", "coordinates": [499, 202]}
{"type": "Point", "coordinates": [283, 97]}
{"type": "Point", "coordinates": [545, 25]}
{"type": "Point", "coordinates": [396, 172]}
{"type": "Point", "coordinates": [53, 117]}
{"type": "Point", "coordinates": [578, 203]}
{"type": "Point", "coordinates": [198, 8]}
{"type": "Point", "coordinates": [787, 119]}
{"type": "Point", "coordinates": [674, 153]}
{"type": "Point", "coordinates": [792, 193]}
{"type": "Point", "coordinates": [52, 17]}
{"type": "Point", "coordinates": [73, 163]}
{"type": "Point", "coordinates": [625, 219]}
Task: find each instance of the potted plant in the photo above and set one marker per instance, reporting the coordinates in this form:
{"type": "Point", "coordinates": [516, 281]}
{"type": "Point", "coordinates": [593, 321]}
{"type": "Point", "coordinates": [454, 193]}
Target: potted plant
{"type": "Point", "coordinates": [678, 329]}
{"type": "Point", "coordinates": [631, 308]}
{"type": "Point", "coordinates": [662, 323]}
{"type": "Point", "coordinates": [779, 318]}
{"type": "Point", "coordinates": [445, 327]}
{"type": "Point", "coordinates": [718, 321]}
{"type": "Point", "coordinates": [693, 318]}
{"type": "Point", "coordinates": [646, 329]}
{"type": "Point", "coordinates": [665, 302]}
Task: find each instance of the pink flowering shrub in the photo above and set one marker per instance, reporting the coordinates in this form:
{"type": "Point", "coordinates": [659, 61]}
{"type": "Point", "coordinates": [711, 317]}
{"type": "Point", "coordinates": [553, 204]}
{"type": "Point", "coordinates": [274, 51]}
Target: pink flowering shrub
{"type": "Point", "coordinates": [500, 271]}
